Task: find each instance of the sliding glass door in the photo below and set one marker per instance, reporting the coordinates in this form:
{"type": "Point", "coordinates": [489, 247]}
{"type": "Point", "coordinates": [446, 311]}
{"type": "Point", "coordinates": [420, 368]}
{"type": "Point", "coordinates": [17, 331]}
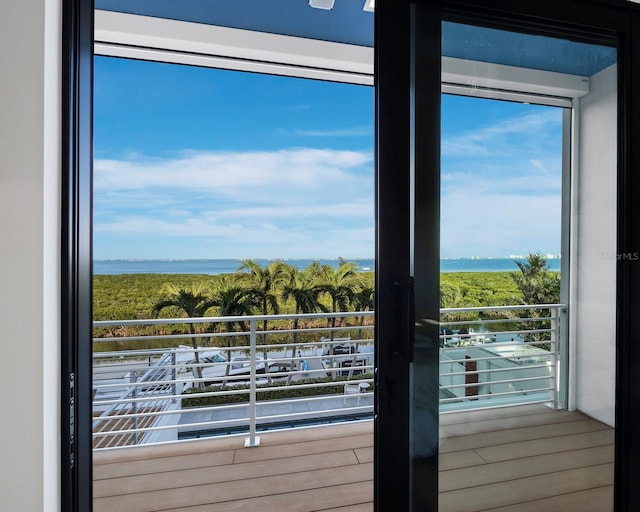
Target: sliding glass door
{"type": "Point", "coordinates": [411, 66]}
{"type": "Point", "coordinates": [504, 353]}
{"type": "Point", "coordinates": [500, 152]}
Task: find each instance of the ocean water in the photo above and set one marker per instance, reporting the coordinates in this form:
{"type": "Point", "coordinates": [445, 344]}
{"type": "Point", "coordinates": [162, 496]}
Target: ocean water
{"type": "Point", "coordinates": [214, 267]}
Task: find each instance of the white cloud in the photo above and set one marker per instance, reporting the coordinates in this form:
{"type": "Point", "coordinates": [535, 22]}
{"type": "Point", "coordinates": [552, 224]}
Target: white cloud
{"type": "Point", "coordinates": [220, 172]}
{"type": "Point", "coordinates": [234, 221]}
{"type": "Point", "coordinates": [500, 195]}
{"type": "Point", "coordinates": [503, 183]}
{"type": "Point", "coordinates": [328, 210]}
{"type": "Point", "coordinates": [356, 131]}
{"type": "Point", "coordinates": [198, 238]}
{"type": "Point", "coordinates": [288, 203]}
{"type": "Point", "coordinates": [501, 188]}
{"type": "Point", "coordinates": [497, 139]}
{"type": "Point", "coordinates": [496, 224]}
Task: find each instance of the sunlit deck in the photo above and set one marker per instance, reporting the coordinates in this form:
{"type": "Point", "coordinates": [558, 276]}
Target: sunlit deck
{"type": "Point", "coordinates": [527, 458]}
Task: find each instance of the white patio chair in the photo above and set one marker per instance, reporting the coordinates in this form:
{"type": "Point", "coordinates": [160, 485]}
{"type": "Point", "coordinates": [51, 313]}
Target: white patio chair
{"type": "Point", "coordinates": [351, 389]}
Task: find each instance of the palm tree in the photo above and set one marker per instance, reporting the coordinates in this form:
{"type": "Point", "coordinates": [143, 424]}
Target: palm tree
{"type": "Point", "coordinates": [232, 299]}
{"type": "Point", "coordinates": [264, 282]}
{"type": "Point", "coordinates": [363, 300]}
{"type": "Point", "coordinates": [538, 285]}
{"type": "Point", "coordinates": [303, 287]}
{"type": "Point", "coordinates": [340, 284]}
{"type": "Point", "coordinates": [194, 301]}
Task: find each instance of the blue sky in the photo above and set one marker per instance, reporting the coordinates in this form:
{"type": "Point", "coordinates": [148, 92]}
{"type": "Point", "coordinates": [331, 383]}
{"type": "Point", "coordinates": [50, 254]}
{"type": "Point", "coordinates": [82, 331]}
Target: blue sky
{"type": "Point", "coordinates": [501, 178]}
{"type": "Point", "coordinates": [202, 163]}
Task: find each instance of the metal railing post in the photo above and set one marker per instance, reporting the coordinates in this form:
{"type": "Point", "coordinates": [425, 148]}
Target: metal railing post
{"type": "Point", "coordinates": [134, 408]}
{"type": "Point", "coordinates": [252, 440]}
{"type": "Point", "coordinates": [554, 353]}
{"type": "Point", "coordinates": [174, 386]}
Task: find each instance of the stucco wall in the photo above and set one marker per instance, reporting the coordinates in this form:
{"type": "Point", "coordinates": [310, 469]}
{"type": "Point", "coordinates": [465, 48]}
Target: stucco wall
{"type": "Point", "coordinates": [29, 249]}
{"type": "Point", "coordinates": [595, 260]}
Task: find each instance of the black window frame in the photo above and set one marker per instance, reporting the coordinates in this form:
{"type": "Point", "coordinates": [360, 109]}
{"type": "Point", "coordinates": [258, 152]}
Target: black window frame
{"type": "Point", "coordinates": [395, 43]}
{"type": "Point", "coordinates": [76, 457]}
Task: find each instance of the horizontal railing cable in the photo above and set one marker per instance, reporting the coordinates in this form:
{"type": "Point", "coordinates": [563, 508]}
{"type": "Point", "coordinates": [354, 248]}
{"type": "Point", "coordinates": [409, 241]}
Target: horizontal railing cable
{"type": "Point", "coordinates": [148, 395]}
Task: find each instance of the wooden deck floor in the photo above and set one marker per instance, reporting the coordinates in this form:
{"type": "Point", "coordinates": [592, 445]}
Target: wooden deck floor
{"type": "Point", "coordinates": [521, 459]}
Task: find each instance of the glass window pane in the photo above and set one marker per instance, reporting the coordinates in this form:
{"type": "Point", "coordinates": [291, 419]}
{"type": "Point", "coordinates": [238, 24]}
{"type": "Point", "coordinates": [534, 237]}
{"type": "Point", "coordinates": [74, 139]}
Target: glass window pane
{"type": "Point", "coordinates": [528, 283]}
{"type": "Point", "coordinates": [233, 279]}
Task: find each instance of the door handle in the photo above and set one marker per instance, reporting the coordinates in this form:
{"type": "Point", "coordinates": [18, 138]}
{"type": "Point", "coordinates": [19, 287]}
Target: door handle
{"type": "Point", "coordinates": [404, 345]}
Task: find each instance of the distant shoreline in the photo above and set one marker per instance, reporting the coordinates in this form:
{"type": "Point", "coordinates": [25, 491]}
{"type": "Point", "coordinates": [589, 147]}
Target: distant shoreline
{"type": "Point", "coordinates": [229, 266]}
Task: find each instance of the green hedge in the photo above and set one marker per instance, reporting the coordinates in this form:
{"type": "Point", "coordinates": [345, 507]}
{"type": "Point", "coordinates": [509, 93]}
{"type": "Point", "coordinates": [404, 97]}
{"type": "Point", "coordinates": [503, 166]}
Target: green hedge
{"type": "Point", "coordinates": [188, 400]}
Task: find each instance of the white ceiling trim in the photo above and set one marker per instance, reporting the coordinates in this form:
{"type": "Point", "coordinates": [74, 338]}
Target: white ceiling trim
{"type": "Point", "coordinates": [485, 75]}
{"type": "Point", "coordinates": [180, 42]}
{"type": "Point", "coordinates": [144, 37]}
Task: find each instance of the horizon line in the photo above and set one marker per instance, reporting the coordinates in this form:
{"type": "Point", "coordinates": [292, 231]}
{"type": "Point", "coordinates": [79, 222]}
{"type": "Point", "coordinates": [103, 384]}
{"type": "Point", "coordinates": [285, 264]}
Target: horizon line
{"type": "Point", "coordinates": [510, 257]}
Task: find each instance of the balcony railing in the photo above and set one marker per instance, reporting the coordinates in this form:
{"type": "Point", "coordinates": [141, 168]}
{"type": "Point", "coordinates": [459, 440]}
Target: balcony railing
{"type": "Point", "coordinates": [512, 360]}
{"type": "Point", "coordinates": [251, 380]}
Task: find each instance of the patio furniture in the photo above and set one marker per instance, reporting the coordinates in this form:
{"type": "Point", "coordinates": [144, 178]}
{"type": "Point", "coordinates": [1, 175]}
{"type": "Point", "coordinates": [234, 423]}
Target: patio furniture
{"type": "Point", "coordinates": [355, 388]}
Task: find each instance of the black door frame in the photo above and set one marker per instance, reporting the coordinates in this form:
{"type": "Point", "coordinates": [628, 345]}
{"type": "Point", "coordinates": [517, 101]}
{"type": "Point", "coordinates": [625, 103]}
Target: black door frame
{"type": "Point", "coordinates": [76, 274]}
{"type": "Point", "coordinates": [401, 119]}
{"type": "Point", "coordinates": [406, 420]}
{"type": "Point", "coordinates": [392, 107]}
{"type": "Point", "coordinates": [407, 148]}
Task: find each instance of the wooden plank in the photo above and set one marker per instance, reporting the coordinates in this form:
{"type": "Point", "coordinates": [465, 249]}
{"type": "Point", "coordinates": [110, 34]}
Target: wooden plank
{"type": "Point", "coordinates": [520, 459]}
{"type": "Point", "coordinates": [485, 439]}
{"type": "Point", "coordinates": [364, 454]}
{"type": "Point", "coordinates": [461, 459]}
{"type": "Point", "coordinates": [231, 442]}
{"type": "Point", "coordinates": [495, 413]}
{"type": "Point", "coordinates": [592, 500]}
{"type": "Point", "coordinates": [542, 446]}
{"type": "Point", "coordinates": [521, 468]}
{"type": "Point", "coordinates": [308, 447]}
{"type": "Point", "coordinates": [363, 507]}
{"type": "Point", "coordinates": [233, 472]}
{"type": "Point", "coordinates": [333, 431]}
{"type": "Point", "coordinates": [493, 425]}
{"type": "Point", "coordinates": [326, 498]}
{"type": "Point", "coordinates": [167, 450]}
{"type": "Point", "coordinates": [159, 465]}
{"type": "Point", "coordinates": [235, 490]}
{"type": "Point", "coordinates": [526, 489]}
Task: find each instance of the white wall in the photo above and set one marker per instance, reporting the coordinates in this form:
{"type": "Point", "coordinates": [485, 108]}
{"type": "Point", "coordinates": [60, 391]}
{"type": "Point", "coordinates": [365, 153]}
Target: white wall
{"type": "Point", "coordinates": [29, 249]}
{"type": "Point", "coordinates": [594, 256]}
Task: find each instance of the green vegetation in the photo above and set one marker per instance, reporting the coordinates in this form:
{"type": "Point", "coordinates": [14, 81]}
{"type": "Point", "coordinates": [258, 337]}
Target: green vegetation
{"type": "Point", "coordinates": [282, 288]}
{"type": "Point", "coordinates": [536, 282]}
{"type": "Point", "coordinates": [301, 287]}
{"type": "Point", "coordinates": [132, 296]}
{"type": "Point", "coordinates": [278, 288]}
{"type": "Point", "coordinates": [471, 289]}
{"type": "Point", "coordinates": [264, 284]}
{"type": "Point", "coordinates": [341, 285]}
{"type": "Point", "coordinates": [193, 301]}
{"type": "Point", "coordinates": [538, 285]}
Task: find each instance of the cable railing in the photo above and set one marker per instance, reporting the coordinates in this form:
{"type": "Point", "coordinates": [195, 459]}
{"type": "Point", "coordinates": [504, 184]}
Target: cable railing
{"type": "Point", "coordinates": [490, 361]}
{"type": "Point", "coordinates": [300, 370]}
{"type": "Point", "coordinates": [137, 408]}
